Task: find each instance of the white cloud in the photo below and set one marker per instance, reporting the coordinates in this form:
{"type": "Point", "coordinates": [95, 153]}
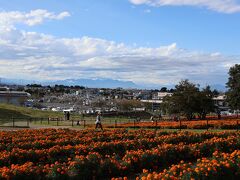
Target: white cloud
{"type": "Point", "coordinates": [222, 6]}
{"type": "Point", "coordinates": [39, 56]}
{"type": "Point", "coordinates": [46, 57]}
{"type": "Point", "coordinates": [34, 17]}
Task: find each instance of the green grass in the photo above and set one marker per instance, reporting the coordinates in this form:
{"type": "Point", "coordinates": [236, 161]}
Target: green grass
{"type": "Point", "coordinates": [8, 111]}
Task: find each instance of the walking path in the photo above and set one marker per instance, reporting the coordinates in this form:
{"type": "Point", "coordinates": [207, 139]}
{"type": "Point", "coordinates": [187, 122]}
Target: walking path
{"type": "Point", "coordinates": [22, 125]}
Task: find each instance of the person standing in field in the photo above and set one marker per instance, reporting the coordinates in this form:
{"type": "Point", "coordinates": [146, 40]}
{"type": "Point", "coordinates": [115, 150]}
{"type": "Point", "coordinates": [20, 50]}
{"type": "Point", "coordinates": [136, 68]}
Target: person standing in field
{"type": "Point", "coordinates": [98, 121]}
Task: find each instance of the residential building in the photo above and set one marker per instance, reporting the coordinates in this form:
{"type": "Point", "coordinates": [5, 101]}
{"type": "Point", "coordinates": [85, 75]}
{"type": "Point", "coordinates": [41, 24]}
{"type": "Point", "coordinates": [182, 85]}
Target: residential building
{"type": "Point", "coordinates": [13, 97]}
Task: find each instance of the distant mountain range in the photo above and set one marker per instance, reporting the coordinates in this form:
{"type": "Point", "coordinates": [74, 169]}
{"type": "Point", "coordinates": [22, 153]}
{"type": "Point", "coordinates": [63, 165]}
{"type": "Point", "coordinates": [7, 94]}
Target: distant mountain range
{"type": "Point", "coordinates": [18, 81]}
{"type": "Point", "coordinates": [97, 83]}
{"type": "Point", "coordinates": [91, 83]}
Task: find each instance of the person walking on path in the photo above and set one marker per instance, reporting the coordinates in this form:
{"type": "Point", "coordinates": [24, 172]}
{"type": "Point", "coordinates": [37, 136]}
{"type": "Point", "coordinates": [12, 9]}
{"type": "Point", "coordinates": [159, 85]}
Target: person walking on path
{"type": "Point", "coordinates": [152, 119]}
{"type": "Point", "coordinates": [98, 122]}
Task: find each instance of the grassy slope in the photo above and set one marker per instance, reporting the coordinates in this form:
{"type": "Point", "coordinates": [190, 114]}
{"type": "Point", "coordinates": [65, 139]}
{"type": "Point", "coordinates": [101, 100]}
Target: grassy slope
{"type": "Point", "coordinates": [8, 111]}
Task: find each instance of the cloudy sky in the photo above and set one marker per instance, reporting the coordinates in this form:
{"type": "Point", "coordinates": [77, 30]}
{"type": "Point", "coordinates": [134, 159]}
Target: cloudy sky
{"type": "Point", "coordinates": [149, 42]}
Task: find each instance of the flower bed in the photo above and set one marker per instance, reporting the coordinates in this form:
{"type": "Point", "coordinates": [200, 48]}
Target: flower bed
{"type": "Point", "coordinates": [196, 124]}
{"type": "Point", "coordinates": [219, 166]}
{"type": "Point", "coordinates": [88, 154]}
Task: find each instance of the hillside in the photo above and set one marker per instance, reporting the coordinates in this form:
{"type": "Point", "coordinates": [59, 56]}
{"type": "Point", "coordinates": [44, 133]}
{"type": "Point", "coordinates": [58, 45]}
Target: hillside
{"type": "Point", "coordinates": [8, 111]}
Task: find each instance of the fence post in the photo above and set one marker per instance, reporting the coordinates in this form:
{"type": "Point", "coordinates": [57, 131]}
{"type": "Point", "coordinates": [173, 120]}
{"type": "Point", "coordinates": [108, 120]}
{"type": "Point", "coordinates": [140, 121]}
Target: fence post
{"type": "Point", "coordinates": [57, 121]}
{"type": "Point", "coordinates": [48, 120]}
{"type": "Point", "coordinates": [180, 124]}
{"type": "Point", "coordinates": [237, 125]}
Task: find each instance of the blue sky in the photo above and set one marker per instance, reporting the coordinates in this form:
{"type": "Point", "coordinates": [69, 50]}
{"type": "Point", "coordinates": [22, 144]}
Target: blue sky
{"type": "Point", "coordinates": [144, 41]}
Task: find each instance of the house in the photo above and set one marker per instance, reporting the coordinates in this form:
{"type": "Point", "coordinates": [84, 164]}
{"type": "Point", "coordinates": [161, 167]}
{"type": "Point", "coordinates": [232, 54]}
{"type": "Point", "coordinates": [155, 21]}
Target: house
{"type": "Point", "coordinates": [157, 99]}
{"type": "Point", "coordinates": [155, 103]}
{"type": "Point", "coordinates": [13, 97]}
{"type": "Point", "coordinates": [221, 104]}
{"type": "Point", "coordinates": [161, 95]}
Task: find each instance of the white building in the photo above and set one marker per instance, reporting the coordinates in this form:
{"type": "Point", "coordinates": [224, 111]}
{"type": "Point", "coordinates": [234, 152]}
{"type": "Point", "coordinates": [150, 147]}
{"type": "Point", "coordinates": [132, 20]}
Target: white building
{"type": "Point", "coordinates": [220, 102]}
{"type": "Point", "coordinates": [13, 97]}
{"type": "Point", "coordinates": [161, 95]}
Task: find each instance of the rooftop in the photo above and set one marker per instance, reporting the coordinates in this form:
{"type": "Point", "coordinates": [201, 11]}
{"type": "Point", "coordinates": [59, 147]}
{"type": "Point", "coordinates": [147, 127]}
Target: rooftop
{"type": "Point", "coordinates": [14, 93]}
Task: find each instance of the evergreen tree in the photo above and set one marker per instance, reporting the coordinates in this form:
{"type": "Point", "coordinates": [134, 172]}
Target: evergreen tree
{"type": "Point", "coordinates": [233, 85]}
{"type": "Point", "coordinates": [188, 100]}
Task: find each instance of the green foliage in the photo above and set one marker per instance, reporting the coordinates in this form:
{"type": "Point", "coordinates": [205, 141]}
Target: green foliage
{"type": "Point", "coordinates": [163, 89]}
{"type": "Point", "coordinates": [205, 102]}
{"type": "Point", "coordinates": [128, 105]}
{"type": "Point", "coordinates": [233, 85]}
{"type": "Point", "coordinates": [188, 99]}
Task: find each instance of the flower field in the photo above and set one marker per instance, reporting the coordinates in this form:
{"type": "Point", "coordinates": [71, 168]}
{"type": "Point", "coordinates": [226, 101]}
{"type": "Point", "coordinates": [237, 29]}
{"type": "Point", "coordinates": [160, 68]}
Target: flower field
{"type": "Point", "coordinates": [197, 124]}
{"type": "Point", "coordinates": [118, 154]}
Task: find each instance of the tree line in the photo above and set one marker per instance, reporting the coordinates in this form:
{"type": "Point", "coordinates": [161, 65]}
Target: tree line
{"type": "Point", "coordinates": [188, 99]}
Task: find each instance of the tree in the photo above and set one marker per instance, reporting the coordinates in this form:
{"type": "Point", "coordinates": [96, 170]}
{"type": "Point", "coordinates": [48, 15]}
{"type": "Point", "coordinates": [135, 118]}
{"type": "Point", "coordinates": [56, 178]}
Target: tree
{"type": "Point", "coordinates": [233, 85]}
{"type": "Point", "coordinates": [215, 92]}
{"type": "Point", "coordinates": [187, 99]}
{"type": "Point", "coordinates": [163, 89]}
{"type": "Point", "coordinates": [128, 105]}
{"type": "Point", "coordinates": [184, 99]}
{"type": "Point", "coordinates": [34, 85]}
{"type": "Point", "coordinates": [148, 106]}
{"type": "Point", "coordinates": [100, 103]}
{"type": "Point", "coordinates": [205, 102]}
